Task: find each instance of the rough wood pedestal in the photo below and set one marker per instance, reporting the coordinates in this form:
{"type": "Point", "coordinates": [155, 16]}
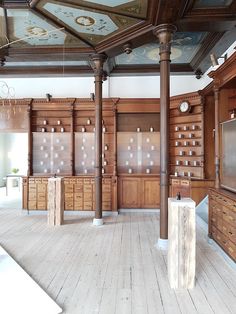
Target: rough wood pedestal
{"type": "Point", "coordinates": [55, 201]}
{"type": "Point", "coordinates": [182, 243]}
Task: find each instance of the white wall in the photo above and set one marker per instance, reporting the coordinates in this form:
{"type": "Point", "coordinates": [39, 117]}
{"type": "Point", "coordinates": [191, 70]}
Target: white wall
{"type": "Point", "coordinates": [149, 86]}
{"type": "Point", "coordinates": [126, 87]}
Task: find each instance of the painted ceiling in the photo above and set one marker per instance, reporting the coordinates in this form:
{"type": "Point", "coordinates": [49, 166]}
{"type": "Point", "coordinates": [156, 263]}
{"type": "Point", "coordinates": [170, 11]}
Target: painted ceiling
{"type": "Point", "coordinates": [184, 48]}
{"type": "Point", "coordinates": [57, 33]}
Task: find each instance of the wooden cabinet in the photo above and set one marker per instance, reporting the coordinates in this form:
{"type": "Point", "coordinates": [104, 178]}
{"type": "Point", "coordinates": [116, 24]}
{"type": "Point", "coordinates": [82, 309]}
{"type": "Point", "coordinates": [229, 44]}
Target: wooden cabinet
{"type": "Point", "coordinates": [196, 189]}
{"type": "Point", "coordinates": [37, 193]}
{"type": "Point", "coordinates": [222, 220]}
{"type": "Point", "coordinates": [187, 139]}
{"type": "Point", "coordinates": [79, 193]}
{"type": "Point", "coordinates": [139, 192]}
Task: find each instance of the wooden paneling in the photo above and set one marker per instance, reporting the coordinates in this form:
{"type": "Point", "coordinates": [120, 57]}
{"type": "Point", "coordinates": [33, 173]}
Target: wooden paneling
{"type": "Point", "coordinates": [138, 192]}
{"type": "Point", "coordinates": [222, 220]}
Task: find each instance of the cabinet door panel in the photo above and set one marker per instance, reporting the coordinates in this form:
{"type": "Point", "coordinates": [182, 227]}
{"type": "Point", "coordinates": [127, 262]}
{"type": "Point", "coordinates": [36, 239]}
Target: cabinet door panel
{"type": "Point", "coordinates": [151, 193]}
{"type": "Point", "coordinates": [129, 193]}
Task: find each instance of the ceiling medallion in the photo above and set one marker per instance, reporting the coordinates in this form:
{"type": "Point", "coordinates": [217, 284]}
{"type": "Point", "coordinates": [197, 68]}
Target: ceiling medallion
{"type": "Point", "coordinates": [36, 31]}
{"type": "Point", "coordinates": [85, 21]}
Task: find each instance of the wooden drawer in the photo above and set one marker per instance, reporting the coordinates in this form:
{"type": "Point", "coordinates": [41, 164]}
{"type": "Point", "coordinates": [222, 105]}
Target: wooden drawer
{"type": "Point", "coordinates": [214, 221]}
{"type": "Point", "coordinates": [221, 239]}
{"type": "Point", "coordinates": [229, 231]}
{"type": "Point", "coordinates": [31, 181]}
{"type": "Point", "coordinates": [69, 188]}
{"type": "Point", "coordinates": [32, 196]}
{"type": "Point", "coordinates": [219, 224]}
{"type": "Point", "coordinates": [42, 205]}
{"type": "Point", "coordinates": [78, 188]}
{"type": "Point", "coordinates": [38, 180]}
{"type": "Point", "coordinates": [79, 181]}
{"type": "Point", "coordinates": [69, 205]}
{"type": "Point", "coordinates": [175, 182]}
{"type": "Point", "coordinates": [78, 205]}
{"type": "Point", "coordinates": [72, 181]}
{"type": "Point", "coordinates": [42, 188]}
{"type": "Point", "coordinates": [69, 196]}
{"type": "Point", "coordinates": [32, 187]}
{"type": "Point", "coordinates": [87, 181]}
{"type": "Point", "coordinates": [78, 197]}
{"type": "Point", "coordinates": [88, 197]}
{"type": "Point", "coordinates": [41, 196]}
{"type": "Point", "coordinates": [185, 183]}
{"type": "Point", "coordinates": [231, 249]}
{"type": "Point", "coordinates": [229, 216]}
{"type": "Point", "coordinates": [32, 205]}
{"type": "Point", "coordinates": [87, 188]}
{"type": "Point", "coordinates": [45, 181]}
{"type": "Point", "coordinates": [88, 206]}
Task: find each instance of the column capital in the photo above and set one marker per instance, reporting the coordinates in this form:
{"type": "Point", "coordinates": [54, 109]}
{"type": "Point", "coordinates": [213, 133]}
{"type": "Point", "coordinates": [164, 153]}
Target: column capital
{"type": "Point", "coordinates": [98, 60]}
{"type": "Point", "coordinates": [164, 32]}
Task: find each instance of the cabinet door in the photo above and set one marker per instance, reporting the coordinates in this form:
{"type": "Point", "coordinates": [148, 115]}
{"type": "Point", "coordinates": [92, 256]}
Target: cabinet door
{"type": "Point", "coordinates": [129, 192]}
{"type": "Point", "coordinates": [150, 193]}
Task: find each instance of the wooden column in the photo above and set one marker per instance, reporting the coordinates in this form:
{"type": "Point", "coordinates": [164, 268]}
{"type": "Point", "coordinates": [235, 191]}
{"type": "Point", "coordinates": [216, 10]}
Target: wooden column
{"type": "Point", "coordinates": [72, 159]}
{"type": "Point", "coordinates": [98, 61]}
{"type": "Point", "coordinates": [30, 141]}
{"type": "Point", "coordinates": [217, 139]}
{"type": "Point", "coordinates": [164, 32]}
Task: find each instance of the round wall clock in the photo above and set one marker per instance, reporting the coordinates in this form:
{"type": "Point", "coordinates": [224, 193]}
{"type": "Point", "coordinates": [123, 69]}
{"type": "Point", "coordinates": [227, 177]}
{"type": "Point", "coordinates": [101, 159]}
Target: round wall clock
{"type": "Point", "coordinates": [184, 106]}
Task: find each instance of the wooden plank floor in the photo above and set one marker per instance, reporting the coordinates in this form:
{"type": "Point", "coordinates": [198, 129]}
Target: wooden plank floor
{"type": "Point", "coordinates": [114, 268]}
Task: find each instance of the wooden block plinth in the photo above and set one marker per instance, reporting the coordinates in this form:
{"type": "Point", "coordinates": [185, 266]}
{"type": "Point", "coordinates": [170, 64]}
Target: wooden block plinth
{"type": "Point", "coordinates": [55, 201]}
{"type": "Point", "coordinates": [182, 243]}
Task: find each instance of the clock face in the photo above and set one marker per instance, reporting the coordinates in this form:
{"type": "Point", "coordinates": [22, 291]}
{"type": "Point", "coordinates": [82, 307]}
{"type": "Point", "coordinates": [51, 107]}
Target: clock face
{"type": "Point", "coordinates": [184, 106]}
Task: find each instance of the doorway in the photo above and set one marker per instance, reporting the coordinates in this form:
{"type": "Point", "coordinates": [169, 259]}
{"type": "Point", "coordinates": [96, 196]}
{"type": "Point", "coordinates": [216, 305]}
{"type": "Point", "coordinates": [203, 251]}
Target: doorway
{"type": "Point", "coordinates": [13, 166]}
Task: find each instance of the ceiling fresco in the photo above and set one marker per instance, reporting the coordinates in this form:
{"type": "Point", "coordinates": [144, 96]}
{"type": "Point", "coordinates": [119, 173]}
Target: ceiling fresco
{"type": "Point", "coordinates": [136, 8]}
{"type": "Point", "coordinates": [28, 29]}
{"type": "Point", "coordinates": [211, 3]}
{"type": "Point", "coordinates": [183, 49]}
{"type": "Point", "coordinates": [59, 36]}
{"type": "Point", "coordinates": [88, 23]}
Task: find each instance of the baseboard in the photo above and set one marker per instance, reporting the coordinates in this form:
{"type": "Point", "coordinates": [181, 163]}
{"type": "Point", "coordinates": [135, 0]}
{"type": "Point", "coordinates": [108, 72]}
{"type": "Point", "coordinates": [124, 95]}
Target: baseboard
{"type": "Point", "coordinates": [69, 213]}
{"type": "Point", "coordinates": [139, 210]}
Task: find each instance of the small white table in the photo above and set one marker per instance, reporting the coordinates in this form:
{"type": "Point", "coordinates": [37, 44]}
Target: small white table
{"type": "Point", "coordinates": [13, 176]}
{"type": "Point", "coordinates": [181, 243]}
